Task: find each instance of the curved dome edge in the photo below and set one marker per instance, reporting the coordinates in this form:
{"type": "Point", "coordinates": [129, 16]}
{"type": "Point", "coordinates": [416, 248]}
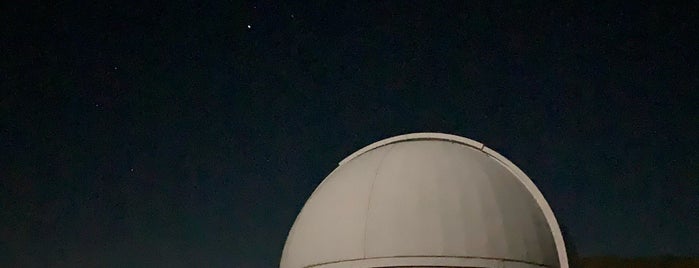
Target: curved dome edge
{"type": "Point", "coordinates": [411, 137]}
{"type": "Point", "coordinates": [541, 201]}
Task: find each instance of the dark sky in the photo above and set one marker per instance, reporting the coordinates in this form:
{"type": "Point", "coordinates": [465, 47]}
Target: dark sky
{"type": "Point", "coordinates": [172, 134]}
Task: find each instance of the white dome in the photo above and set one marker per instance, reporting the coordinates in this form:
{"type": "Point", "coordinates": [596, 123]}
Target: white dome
{"type": "Point", "coordinates": [425, 199]}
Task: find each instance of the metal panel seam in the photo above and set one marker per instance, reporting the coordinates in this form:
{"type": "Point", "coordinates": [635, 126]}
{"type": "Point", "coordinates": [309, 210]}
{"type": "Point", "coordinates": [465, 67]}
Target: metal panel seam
{"type": "Point", "coordinates": [501, 260]}
{"type": "Point", "coordinates": [371, 192]}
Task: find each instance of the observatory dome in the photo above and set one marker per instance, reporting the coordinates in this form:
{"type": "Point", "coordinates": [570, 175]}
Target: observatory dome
{"type": "Point", "coordinates": [425, 200]}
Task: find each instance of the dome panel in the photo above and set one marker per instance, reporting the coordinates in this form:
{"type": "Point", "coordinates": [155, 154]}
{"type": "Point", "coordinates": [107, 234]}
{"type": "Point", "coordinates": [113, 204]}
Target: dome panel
{"type": "Point", "coordinates": [331, 224]}
{"type": "Point", "coordinates": [450, 201]}
{"type": "Point", "coordinates": [414, 196]}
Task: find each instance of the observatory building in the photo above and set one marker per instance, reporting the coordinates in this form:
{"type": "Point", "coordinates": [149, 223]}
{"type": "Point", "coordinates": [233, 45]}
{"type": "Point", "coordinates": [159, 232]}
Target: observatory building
{"type": "Point", "coordinates": [425, 200]}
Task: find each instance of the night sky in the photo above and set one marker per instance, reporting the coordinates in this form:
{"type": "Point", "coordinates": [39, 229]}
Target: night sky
{"type": "Point", "coordinates": [189, 134]}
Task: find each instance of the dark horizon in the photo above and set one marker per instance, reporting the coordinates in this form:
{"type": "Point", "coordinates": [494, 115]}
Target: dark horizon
{"type": "Point", "coordinates": [190, 133]}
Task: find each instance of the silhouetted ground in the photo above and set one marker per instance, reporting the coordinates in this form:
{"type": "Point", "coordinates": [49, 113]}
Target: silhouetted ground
{"type": "Point", "coordinates": [646, 262]}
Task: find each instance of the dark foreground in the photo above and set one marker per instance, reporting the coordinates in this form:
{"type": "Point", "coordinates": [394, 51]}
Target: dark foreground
{"type": "Point", "coordinates": [647, 262]}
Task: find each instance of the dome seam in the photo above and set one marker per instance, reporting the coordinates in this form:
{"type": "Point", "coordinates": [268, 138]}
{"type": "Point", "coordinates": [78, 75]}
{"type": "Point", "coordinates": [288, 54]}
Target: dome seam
{"type": "Point", "coordinates": [371, 192]}
{"type": "Point", "coordinates": [501, 261]}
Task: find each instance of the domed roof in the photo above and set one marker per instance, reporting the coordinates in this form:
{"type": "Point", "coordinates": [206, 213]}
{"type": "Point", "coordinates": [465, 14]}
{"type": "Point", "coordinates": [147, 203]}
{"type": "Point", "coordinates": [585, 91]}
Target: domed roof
{"type": "Point", "coordinates": [425, 199]}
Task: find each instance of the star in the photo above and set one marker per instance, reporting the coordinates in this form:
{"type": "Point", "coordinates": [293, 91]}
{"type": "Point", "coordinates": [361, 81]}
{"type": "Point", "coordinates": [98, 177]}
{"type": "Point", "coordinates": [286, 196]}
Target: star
{"type": "Point", "coordinates": [249, 26]}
